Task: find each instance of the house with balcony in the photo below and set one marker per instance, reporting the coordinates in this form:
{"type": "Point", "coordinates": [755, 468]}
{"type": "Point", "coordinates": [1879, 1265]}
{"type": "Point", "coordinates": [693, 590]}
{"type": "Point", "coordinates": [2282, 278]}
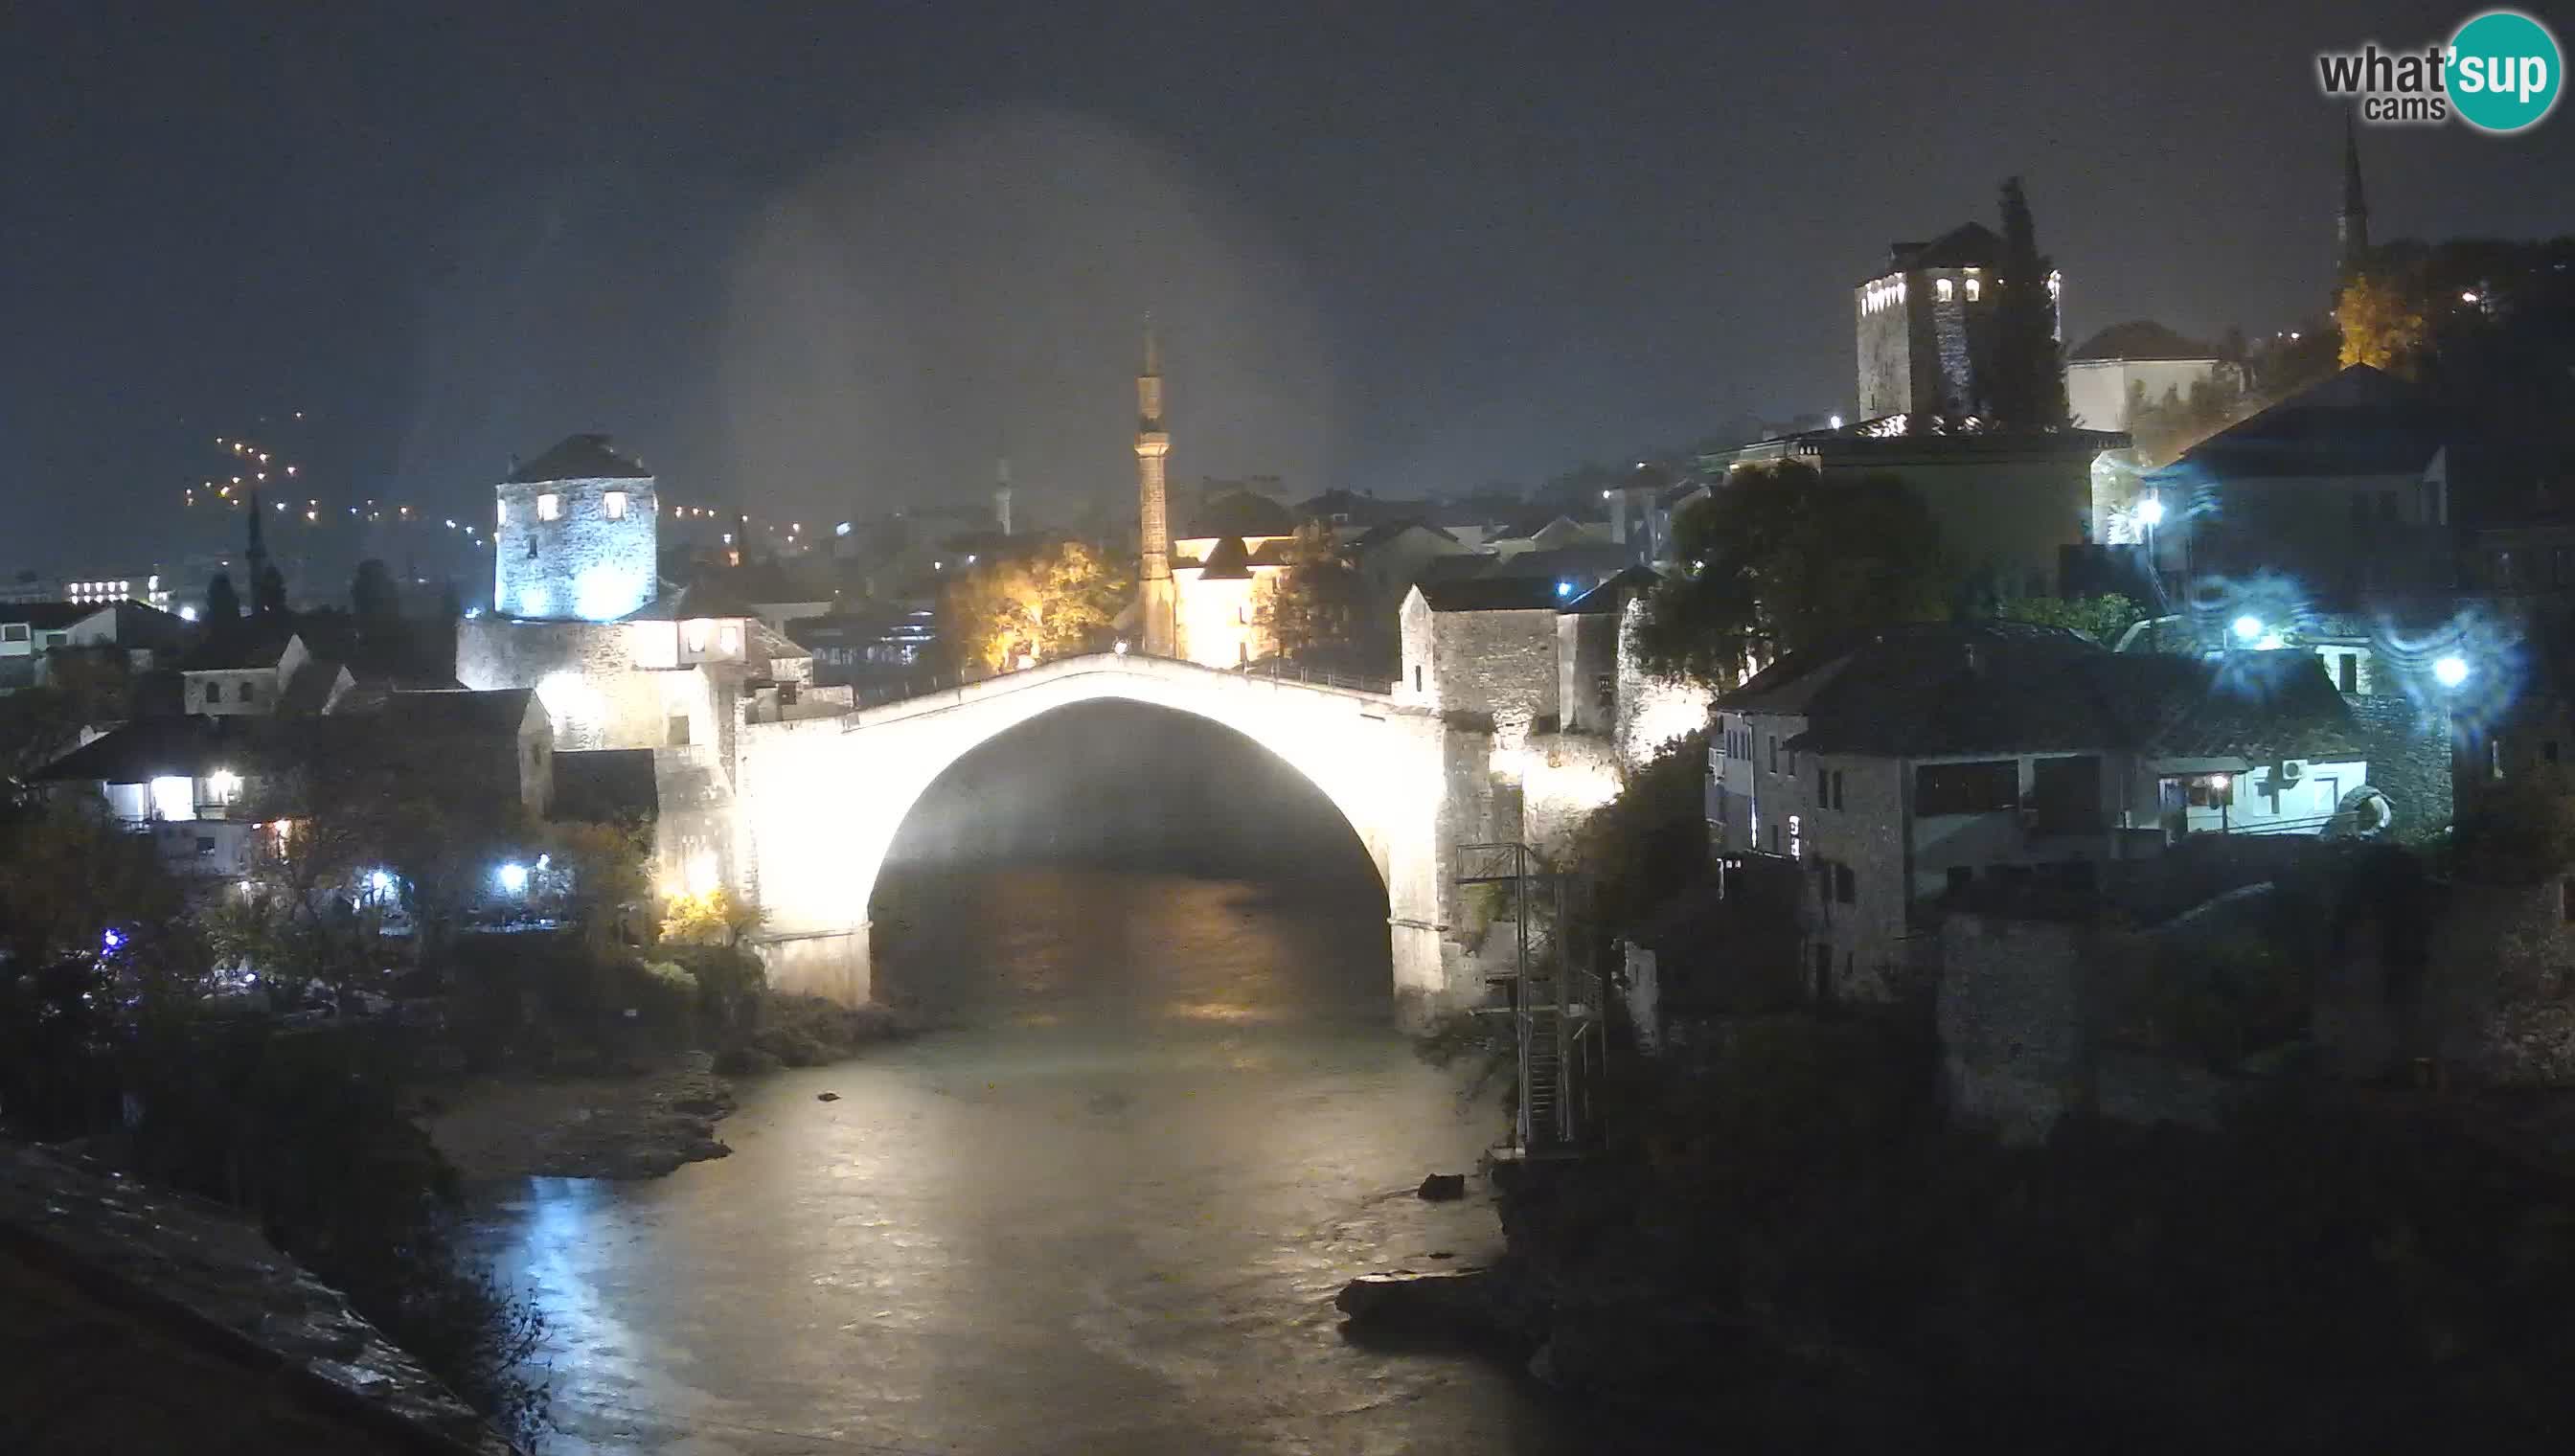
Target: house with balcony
{"type": "Point", "coordinates": [1914, 762]}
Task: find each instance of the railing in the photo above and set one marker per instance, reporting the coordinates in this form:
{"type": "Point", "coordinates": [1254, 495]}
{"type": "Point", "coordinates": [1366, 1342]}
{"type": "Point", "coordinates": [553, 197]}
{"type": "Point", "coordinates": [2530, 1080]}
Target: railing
{"type": "Point", "coordinates": [1278, 671]}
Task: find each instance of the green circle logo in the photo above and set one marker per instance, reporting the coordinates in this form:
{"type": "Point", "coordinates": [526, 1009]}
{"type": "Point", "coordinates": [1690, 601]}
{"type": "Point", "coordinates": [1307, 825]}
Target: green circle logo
{"type": "Point", "coordinates": [2504, 71]}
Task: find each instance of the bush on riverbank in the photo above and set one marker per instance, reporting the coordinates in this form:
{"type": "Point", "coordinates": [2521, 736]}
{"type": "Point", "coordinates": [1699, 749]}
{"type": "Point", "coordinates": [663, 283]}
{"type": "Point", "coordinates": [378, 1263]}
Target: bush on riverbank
{"type": "Point", "coordinates": [1793, 1247]}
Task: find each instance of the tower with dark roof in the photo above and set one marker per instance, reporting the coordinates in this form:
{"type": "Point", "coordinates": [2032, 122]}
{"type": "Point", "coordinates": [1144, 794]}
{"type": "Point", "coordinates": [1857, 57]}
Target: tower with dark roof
{"type": "Point", "coordinates": [2351, 227]}
{"type": "Point", "coordinates": [576, 534]}
{"type": "Point", "coordinates": [1155, 597]}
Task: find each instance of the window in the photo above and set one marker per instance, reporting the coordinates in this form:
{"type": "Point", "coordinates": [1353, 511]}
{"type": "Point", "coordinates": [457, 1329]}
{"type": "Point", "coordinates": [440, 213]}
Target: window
{"type": "Point", "coordinates": [2566, 898]}
{"type": "Point", "coordinates": [1837, 788]}
{"type": "Point", "coordinates": [1824, 788]}
{"type": "Point", "coordinates": [1604, 691]}
{"type": "Point", "coordinates": [1976, 289]}
{"type": "Point", "coordinates": [1966, 788]}
{"type": "Point", "coordinates": [613, 505]}
{"type": "Point", "coordinates": [2548, 751]}
{"type": "Point", "coordinates": [1416, 677]}
{"type": "Point", "coordinates": [249, 692]}
{"type": "Point", "coordinates": [1797, 838]}
{"type": "Point", "coordinates": [675, 731]}
{"type": "Point", "coordinates": [729, 640]}
{"type": "Point", "coordinates": [214, 692]}
{"type": "Point", "coordinates": [205, 846]}
{"type": "Point", "coordinates": [1845, 885]}
{"type": "Point", "coordinates": [2066, 794]}
{"type": "Point", "coordinates": [549, 507]}
{"type": "Point", "coordinates": [2347, 672]}
{"type": "Point", "coordinates": [13, 631]}
{"type": "Point", "coordinates": [694, 633]}
{"type": "Point", "coordinates": [1946, 288]}
{"type": "Point", "coordinates": [2200, 790]}
{"type": "Point", "coordinates": [1775, 752]}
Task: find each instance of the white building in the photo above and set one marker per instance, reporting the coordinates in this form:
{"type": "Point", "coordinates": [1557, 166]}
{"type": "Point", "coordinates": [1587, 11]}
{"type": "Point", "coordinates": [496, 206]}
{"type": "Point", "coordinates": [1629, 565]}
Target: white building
{"type": "Point", "coordinates": [2137, 362]}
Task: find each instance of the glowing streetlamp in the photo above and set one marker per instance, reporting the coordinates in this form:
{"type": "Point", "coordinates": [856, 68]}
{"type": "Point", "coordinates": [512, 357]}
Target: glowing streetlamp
{"type": "Point", "coordinates": [2248, 629]}
{"type": "Point", "coordinates": [1121, 647]}
{"type": "Point", "coordinates": [513, 878]}
{"type": "Point", "coordinates": [2450, 670]}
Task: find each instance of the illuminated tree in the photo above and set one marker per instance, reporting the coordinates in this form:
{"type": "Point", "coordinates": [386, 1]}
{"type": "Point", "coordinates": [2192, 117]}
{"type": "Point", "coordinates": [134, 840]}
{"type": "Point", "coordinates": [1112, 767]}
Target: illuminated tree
{"type": "Point", "coordinates": [1779, 558]}
{"type": "Point", "coordinates": [2383, 325]}
{"type": "Point", "coordinates": [712, 918]}
{"type": "Point", "coordinates": [1055, 602]}
{"type": "Point", "coordinates": [1312, 604]}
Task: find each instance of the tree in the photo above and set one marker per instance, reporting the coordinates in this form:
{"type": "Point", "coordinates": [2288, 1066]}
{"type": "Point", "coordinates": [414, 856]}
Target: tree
{"type": "Point", "coordinates": [2102, 618]}
{"type": "Point", "coordinates": [1778, 557]}
{"type": "Point", "coordinates": [2382, 323]}
{"type": "Point", "coordinates": [2163, 428]}
{"type": "Point", "coordinates": [223, 603]}
{"type": "Point", "coordinates": [608, 869]}
{"type": "Point", "coordinates": [710, 917]}
{"type": "Point", "coordinates": [2027, 390]}
{"type": "Point", "coordinates": [1053, 602]}
{"type": "Point", "coordinates": [1312, 604]}
{"type": "Point", "coordinates": [372, 601]}
{"type": "Point", "coordinates": [268, 594]}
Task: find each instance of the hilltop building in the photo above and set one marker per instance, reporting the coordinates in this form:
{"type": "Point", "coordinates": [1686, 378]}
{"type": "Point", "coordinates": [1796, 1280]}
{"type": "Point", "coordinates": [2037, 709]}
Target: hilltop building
{"type": "Point", "coordinates": [1926, 324]}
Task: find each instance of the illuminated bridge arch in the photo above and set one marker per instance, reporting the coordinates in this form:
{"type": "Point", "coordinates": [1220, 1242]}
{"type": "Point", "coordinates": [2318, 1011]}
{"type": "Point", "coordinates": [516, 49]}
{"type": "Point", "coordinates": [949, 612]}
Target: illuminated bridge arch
{"type": "Point", "coordinates": [819, 800]}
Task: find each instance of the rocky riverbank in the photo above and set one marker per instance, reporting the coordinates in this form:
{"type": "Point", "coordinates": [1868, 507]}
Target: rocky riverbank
{"type": "Point", "coordinates": [514, 1125]}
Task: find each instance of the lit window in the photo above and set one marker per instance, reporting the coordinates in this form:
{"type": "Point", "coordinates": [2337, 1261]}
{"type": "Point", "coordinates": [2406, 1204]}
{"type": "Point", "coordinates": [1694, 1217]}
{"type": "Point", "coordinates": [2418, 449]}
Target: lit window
{"type": "Point", "coordinates": [549, 507]}
{"type": "Point", "coordinates": [613, 505]}
{"type": "Point", "coordinates": [730, 641]}
{"type": "Point", "coordinates": [1947, 290]}
{"type": "Point", "coordinates": [695, 631]}
{"type": "Point", "coordinates": [503, 519]}
{"type": "Point", "coordinates": [1976, 289]}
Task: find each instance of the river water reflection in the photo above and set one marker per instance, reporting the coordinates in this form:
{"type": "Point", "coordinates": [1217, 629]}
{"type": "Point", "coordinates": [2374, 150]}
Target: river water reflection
{"type": "Point", "coordinates": [1102, 1208]}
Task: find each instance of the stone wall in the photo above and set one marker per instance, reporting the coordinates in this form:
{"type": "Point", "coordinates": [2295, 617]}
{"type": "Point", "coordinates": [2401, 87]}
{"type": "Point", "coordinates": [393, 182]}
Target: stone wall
{"type": "Point", "coordinates": [2014, 1052]}
{"type": "Point", "coordinates": [1494, 664]}
{"type": "Point", "coordinates": [581, 565]}
{"type": "Point", "coordinates": [2500, 986]}
{"type": "Point", "coordinates": [1867, 938]}
{"type": "Point", "coordinates": [1587, 652]}
{"type": "Point", "coordinates": [1652, 713]}
{"type": "Point", "coordinates": [2408, 747]}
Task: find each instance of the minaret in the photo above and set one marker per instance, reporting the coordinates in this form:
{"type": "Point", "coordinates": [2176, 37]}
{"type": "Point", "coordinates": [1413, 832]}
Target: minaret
{"type": "Point", "coordinates": [1154, 594]}
{"type": "Point", "coordinates": [2351, 229]}
{"type": "Point", "coordinates": [1001, 497]}
{"type": "Point", "coordinates": [255, 554]}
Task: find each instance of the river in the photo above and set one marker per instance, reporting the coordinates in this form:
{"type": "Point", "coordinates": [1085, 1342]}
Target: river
{"type": "Point", "coordinates": [1102, 1206]}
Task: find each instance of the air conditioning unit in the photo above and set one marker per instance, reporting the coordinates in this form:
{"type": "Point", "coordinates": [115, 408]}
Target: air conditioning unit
{"type": "Point", "coordinates": [2288, 771]}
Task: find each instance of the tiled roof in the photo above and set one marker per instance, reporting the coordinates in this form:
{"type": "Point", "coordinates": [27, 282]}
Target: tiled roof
{"type": "Point", "coordinates": [2360, 421]}
{"type": "Point", "coordinates": [238, 650]}
{"type": "Point", "coordinates": [48, 616]}
{"type": "Point", "coordinates": [606, 786]}
{"type": "Point", "coordinates": [1968, 245]}
{"type": "Point", "coordinates": [461, 709]}
{"type": "Point", "coordinates": [2140, 339]}
{"type": "Point", "coordinates": [580, 458]}
{"type": "Point", "coordinates": [1611, 595]}
{"type": "Point", "coordinates": [1949, 689]}
{"type": "Point", "coordinates": [1239, 513]}
{"type": "Point", "coordinates": [1491, 593]}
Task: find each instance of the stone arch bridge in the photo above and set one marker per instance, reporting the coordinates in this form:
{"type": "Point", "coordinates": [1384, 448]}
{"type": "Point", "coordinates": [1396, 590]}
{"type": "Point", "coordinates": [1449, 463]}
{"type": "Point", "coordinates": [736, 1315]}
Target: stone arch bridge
{"type": "Point", "coordinates": [819, 800]}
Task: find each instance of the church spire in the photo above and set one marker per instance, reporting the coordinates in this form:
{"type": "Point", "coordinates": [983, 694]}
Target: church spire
{"type": "Point", "coordinates": [1155, 597]}
{"type": "Point", "coordinates": [2351, 229]}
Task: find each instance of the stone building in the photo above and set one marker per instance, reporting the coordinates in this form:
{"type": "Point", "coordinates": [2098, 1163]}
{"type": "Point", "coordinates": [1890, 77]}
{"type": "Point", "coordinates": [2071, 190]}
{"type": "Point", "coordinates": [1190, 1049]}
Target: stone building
{"type": "Point", "coordinates": [575, 535]}
{"type": "Point", "coordinates": [1926, 324]}
{"type": "Point", "coordinates": [2138, 363]}
{"type": "Point", "coordinates": [1915, 762]}
{"type": "Point", "coordinates": [677, 674]}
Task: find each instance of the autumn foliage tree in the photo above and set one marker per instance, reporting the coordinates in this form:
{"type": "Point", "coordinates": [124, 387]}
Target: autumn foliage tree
{"type": "Point", "coordinates": [1054, 602]}
{"type": "Point", "coordinates": [2383, 323]}
{"type": "Point", "coordinates": [1312, 604]}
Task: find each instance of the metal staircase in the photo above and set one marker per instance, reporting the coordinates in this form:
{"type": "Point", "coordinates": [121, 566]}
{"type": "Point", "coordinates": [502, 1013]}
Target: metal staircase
{"type": "Point", "coordinates": [1550, 995]}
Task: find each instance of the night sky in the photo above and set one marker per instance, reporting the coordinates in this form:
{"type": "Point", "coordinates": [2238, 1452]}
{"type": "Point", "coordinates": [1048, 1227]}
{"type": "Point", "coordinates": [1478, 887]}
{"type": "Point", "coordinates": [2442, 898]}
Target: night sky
{"type": "Point", "coordinates": [823, 259]}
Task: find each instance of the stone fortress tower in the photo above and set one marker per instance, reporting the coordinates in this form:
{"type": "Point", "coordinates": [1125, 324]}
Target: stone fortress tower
{"type": "Point", "coordinates": [577, 535]}
{"type": "Point", "coordinates": [1157, 599]}
{"type": "Point", "coordinates": [1927, 326]}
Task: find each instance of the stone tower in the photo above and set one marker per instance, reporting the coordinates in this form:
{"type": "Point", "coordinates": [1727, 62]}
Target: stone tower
{"type": "Point", "coordinates": [1155, 597]}
{"type": "Point", "coordinates": [2351, 228]}
{"type": "Point", "coordinates": [1001, 497]}
{"type": "Point", "coordinates": [577, 535]}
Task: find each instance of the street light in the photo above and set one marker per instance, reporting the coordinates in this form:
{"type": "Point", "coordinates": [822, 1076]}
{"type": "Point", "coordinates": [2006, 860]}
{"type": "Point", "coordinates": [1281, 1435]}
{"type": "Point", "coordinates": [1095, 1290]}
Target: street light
{"type": "Point", "coordinates": [2248, 628]}
{"type": "Point", "coordinates": [2151, 512]}
{"type": "Point", "coordinates": [513, 878]}
{"type": "Point", "coordinates": [2450, 670]}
